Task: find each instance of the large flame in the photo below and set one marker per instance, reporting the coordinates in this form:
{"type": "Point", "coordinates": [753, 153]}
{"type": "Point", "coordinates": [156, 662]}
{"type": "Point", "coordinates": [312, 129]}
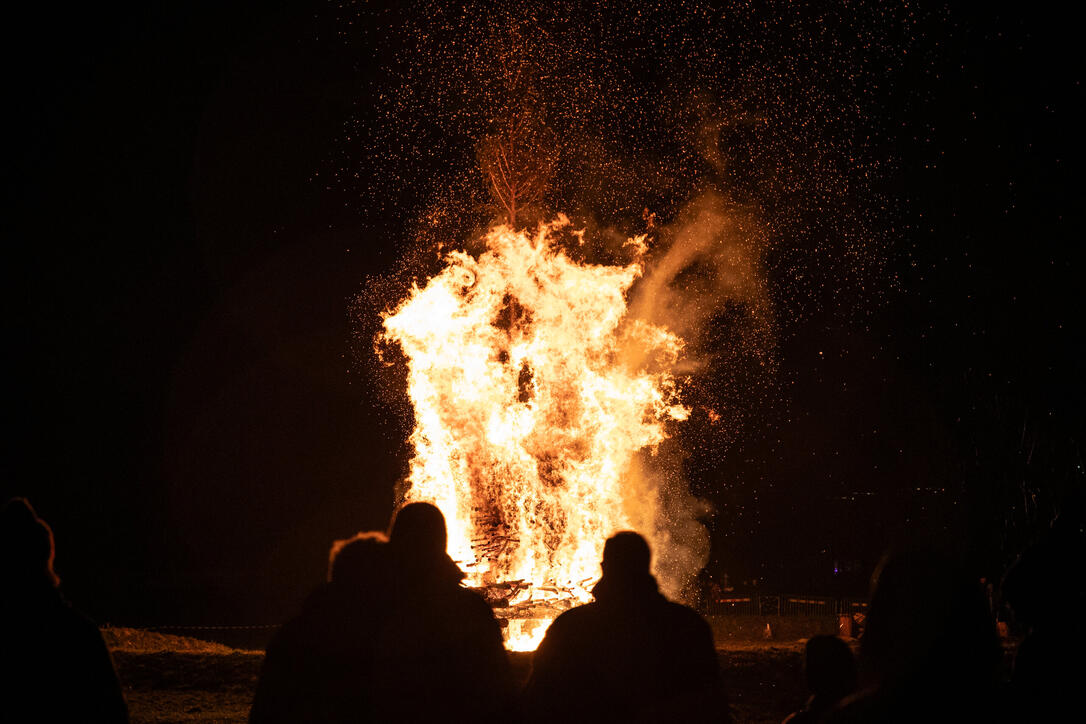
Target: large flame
{"type": "Point", "coordinates": [534, 390]}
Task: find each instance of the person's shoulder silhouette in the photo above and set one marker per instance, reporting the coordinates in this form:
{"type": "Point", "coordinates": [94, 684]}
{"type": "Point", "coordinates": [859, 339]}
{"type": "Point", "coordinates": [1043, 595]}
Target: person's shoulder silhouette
{"type": "Point", "coordinates": [830, 669]}
{"type": "Point", "coordinates": [319, 665]}
{"type": "Point", "coordinates": [631, 655]}
{"type": "Point", "coordinates": [929, 650]}
{"type": "Point", "coordinates": [441, 653]}
{"type": "Point", "coordinates": [57, 667]}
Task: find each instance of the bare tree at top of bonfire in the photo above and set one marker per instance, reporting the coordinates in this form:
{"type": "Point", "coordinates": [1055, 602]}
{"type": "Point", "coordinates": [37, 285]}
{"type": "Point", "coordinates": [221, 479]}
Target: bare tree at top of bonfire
{"type": "Point", "coordinates": [519, 152]}
{"type": "Point", "coordinates": [517, 160]}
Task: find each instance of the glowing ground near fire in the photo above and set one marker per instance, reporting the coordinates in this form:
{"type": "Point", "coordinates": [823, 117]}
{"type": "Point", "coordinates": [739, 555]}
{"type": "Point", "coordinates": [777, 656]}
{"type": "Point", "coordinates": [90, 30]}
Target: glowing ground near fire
{"type": "Point", "coordinates": [534, 392]}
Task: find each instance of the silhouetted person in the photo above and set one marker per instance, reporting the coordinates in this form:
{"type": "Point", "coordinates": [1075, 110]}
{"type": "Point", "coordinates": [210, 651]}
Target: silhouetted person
{"type": "Point", "coordinates": [830, 669]}
{"type": "Point", "coordinates": [631, 655]}
{"type": "Point", "coordinates": [440, 654]}
{"type": "Point", "coordinates": [320, 665]}
{"type": "Point", "coordinates": [55, 665]}
{"type": "Point", "coordinates": [929, 650]}
{"type": "Point", "coordinates": [1046, 590]}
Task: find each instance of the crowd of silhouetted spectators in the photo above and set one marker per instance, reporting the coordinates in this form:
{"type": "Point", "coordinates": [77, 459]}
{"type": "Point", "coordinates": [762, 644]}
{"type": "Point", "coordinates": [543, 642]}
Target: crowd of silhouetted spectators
{"type": "Point", "coordinates": [393, 635]}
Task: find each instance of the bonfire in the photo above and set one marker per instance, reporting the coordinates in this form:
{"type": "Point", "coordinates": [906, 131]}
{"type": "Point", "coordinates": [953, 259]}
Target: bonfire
{"type": "Point", "coordinates": [534, 392]}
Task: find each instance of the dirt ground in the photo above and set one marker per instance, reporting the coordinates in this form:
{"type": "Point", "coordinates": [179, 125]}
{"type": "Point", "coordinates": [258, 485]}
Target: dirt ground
{"type": "Point", "coordinates": [178, 679]}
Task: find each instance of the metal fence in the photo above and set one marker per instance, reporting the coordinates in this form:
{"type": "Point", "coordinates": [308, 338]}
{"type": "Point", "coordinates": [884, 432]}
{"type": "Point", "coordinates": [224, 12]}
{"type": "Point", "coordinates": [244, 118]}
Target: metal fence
{"type": "Point", "coordinates": [785, 605]}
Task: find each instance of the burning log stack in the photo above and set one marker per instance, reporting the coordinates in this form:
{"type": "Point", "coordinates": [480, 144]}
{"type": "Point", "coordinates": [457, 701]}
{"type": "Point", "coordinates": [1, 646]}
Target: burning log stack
{"type": "Point", "coordinates": [494, 541]}
{"type": "Point", "coordinates": [522, 600]}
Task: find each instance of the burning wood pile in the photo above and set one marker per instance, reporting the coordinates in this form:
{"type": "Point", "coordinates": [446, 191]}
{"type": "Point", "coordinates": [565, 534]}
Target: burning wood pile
{"type": "Point", "coordinates": [528, 424]}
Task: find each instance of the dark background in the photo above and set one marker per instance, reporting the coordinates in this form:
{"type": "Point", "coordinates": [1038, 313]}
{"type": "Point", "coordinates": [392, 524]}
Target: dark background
{"type": "Point", "coordinates": [184, 408]}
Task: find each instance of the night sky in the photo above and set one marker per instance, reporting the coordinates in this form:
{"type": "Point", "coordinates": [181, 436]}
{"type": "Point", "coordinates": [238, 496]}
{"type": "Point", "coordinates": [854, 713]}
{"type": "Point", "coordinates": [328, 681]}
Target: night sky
{"type": "Point", "coordinates": [204, 200]}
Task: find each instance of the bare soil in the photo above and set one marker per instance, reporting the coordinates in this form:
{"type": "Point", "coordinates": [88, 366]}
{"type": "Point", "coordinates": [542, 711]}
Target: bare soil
{"type": "Point", "coordinates": [180, 679]}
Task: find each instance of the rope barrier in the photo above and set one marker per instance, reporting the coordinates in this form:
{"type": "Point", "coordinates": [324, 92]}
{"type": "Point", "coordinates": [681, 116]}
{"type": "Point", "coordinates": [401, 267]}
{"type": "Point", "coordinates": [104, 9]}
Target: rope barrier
{"type": "Point", "coordinates": [200, 628]}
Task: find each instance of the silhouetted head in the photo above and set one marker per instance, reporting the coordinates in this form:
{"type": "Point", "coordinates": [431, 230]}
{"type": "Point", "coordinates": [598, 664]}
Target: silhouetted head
{"type": "Point", "coordinates": [928, 621]}
{"type": "Point", "coordinates": [418, 530]}
{"type": "Point", "coordinates": [360, 561]}
{"type": "Point", "coordinates": [26, 542]}
{"type": "Point", "coordinates": [626, 556]}
{"type": "Point", "coordinates": [626, 577]}
{"type": "Point", "coordinates": [417, 544]}
{"type": "Point", "coordinates": [830, 667]}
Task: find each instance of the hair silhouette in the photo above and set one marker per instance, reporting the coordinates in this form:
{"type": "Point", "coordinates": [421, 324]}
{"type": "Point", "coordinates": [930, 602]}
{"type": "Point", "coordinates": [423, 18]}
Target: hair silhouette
{"type": "Point", "coordinates": [27, 544]}
{"type": "Point", "coordinates": [359, 561]}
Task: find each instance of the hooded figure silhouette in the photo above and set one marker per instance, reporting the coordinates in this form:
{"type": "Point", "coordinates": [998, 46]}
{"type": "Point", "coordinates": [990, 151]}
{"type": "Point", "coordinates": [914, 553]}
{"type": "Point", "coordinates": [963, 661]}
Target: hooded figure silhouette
{"type": "Point", "coordinates": [631, 655]}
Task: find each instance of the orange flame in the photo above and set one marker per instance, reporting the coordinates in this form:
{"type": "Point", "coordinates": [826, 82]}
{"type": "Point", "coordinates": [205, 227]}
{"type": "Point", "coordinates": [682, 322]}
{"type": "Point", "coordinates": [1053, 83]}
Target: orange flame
{"type": "Point", "coordinates": [533, 391]}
